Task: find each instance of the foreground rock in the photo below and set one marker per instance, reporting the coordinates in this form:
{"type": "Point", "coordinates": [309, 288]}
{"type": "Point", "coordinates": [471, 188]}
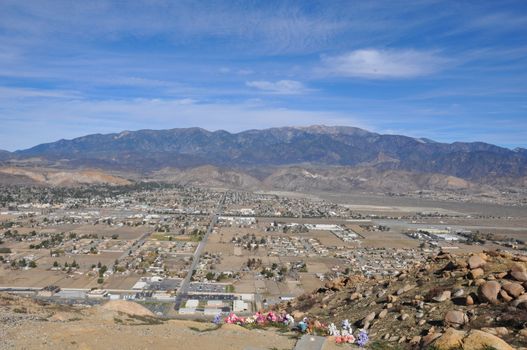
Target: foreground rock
{"type": "Point", "coordinates": [488, 292]}
{"type": "Point", "coordinates": [451, 339]}
{"type": "Point", "coordinates": [513, 289]}
{"type": "Point", "coordinates": [519, 273]}
{"type": "Point", "coordinates": [481, 340]}
{"type": "Point", "coordinates": [455, 318]}
{"type": "Point", "coordinates": [474, 340]}
{"type": "Point", "coordinates": [475, 262]}
{"type": "Point", "coordinates": [443, 296]}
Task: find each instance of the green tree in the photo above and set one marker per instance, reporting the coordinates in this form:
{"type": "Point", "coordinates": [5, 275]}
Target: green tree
{"type": "Point", "coordinates": [102, 270]}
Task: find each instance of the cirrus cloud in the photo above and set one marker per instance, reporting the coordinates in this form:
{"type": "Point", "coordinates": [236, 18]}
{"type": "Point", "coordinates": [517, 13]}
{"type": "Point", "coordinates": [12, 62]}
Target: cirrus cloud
{"type": "Point", "coordinates": [281, 87]}
{"type": "Point", "coordinates": [383, 64]}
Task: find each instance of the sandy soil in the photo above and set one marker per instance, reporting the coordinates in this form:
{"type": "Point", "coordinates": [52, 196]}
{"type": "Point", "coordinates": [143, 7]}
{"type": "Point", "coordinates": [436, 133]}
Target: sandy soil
{"type": "Point", "coordinates": [87, 334]}
{"type": "Point", "coordinates": [388, 239]}
{"type": "Point", "coordinates": [127, 307]}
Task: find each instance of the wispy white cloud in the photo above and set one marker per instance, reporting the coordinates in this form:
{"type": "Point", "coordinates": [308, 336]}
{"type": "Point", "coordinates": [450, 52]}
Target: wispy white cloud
{"type": "Point", "coordinates": [228, 70]}
{"type": "Point", "coordinates": [383, 64]}
{"type": "Point", "coordinates": [19, 93]}
{"type": "Point", "coordinates": [282, 87]}
{"type": "Point", "coordinates": [279, 27]}
{"type": "Point", "coordinates": [245, 71]}
{"type": "Point", "coordinates": [498, 22]}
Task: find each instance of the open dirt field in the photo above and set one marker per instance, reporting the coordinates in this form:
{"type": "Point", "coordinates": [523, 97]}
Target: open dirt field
{"type": "Point", "coordinates": [39, 279]}
{"type": "Point", "coordinates": [388, 239]}
{"type": "Point", "coordinates": [369, 202]}
{"type": "Point", "coordinates": [84, 260]}
{"type": "Point", "coordinates": [121, 281]}
{"type": "Point", "coordinates": [107, 231]}
{"type": "Point", "coordinates": [90, 335]}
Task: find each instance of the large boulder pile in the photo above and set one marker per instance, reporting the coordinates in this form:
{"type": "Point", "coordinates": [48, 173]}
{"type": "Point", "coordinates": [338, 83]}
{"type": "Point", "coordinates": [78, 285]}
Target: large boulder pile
{"type": "Point", "coordinates": [450, 301]}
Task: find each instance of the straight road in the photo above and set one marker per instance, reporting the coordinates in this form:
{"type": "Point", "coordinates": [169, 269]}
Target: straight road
{"type": "Point", "coordinates": [182, 291]}
{"type": "Point", "coordinates": [139, 242]}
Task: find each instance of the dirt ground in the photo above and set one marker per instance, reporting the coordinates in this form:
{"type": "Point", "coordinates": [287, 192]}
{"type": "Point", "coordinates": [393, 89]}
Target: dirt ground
{"type": "Point", "coordinates": [39, 278]}
{"type": "Point", "coordinates": [388, 239]}
{"type": "Point", "coordinates": [121, 281]}
{"type": "Point", "coordinates": [87, 334]}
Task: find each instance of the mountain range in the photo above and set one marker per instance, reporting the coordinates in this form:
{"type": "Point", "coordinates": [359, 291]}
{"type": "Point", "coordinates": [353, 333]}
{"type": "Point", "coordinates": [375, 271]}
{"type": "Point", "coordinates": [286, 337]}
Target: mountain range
{"type": "Point", "coordinates": [254, 152]}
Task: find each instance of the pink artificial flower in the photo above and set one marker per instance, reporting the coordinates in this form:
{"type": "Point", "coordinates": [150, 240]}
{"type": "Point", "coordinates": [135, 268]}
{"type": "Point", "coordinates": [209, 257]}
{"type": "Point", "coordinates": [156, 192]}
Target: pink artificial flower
{"type": "Point", "coordinates": [260, 318]}
{"type": "Point", "coordinates": [232, 318]}
{"type": "Point", "coordinates": [350, 339]}
{"type": "Point", "coordinates": [271, 316]}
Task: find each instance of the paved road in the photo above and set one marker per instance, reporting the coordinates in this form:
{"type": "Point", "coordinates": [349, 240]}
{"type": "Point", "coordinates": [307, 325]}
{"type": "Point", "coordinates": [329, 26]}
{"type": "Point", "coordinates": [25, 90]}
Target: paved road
{"type": "Point", "coordinates": [15, 289]}
{"type": "Point", "coordinates": [139, 242]}
{"type": "Point", "coordinates": [182, 292]}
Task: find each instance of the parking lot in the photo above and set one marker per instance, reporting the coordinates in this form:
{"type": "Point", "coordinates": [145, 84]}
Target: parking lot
{"type": "Point", "coordinates": [207, 288]}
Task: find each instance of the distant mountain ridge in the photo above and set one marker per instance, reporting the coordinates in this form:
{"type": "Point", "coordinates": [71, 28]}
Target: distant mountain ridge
{"type": "Point", "coordinates": [318, 145]}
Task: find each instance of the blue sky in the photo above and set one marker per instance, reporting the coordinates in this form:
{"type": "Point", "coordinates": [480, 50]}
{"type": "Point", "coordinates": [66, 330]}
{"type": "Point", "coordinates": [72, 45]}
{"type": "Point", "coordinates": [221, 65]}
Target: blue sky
{"type": "Point", "coordinates": [445, 70]}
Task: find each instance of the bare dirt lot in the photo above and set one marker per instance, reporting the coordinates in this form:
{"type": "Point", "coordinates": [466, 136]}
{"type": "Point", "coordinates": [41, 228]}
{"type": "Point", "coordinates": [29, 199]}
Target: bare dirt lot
{"type": "Point", "coordinates": [40, 278]}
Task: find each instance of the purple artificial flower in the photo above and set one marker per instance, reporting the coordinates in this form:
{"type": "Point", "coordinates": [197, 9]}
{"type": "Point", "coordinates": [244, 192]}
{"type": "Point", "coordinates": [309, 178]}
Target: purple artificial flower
{"type": "Point", "coordinates": [217, 319]}
{"type": "Point", "coordinates": [362, 338]}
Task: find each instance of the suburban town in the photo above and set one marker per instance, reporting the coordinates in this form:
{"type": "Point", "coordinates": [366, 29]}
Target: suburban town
{"type": "Point", "coordinates": [191, 252]}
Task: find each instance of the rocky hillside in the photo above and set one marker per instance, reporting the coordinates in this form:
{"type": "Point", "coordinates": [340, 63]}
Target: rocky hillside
{"type": "Point", "coordinates": [337, 179]}
{"type": "Point", "coordinates": [448, 302]}
{"type": "Point", "coordinates": [333, 179]}
{"type": "Point", "coordinates": [38, 176]}
{"type": "Point", "coordinates": [4, 154]}
{"type": "Point", "coordinates": [208, 176]}
{"type": "Point", "coordinates": [148, 150]}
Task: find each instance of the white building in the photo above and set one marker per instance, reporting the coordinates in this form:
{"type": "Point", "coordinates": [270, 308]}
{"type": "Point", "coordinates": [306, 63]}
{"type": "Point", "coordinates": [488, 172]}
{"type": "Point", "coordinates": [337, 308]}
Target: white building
{"type": "Point", "coordinates": [192, 303]}
{"type": "Point", "coordinates": [97, 294]}
{"type": "Point", "coordinates": [215, 303]}
{"type": "Point", "coordinates": [211, 311]}
{"type": "Point", "coordinates": [187, 311]}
